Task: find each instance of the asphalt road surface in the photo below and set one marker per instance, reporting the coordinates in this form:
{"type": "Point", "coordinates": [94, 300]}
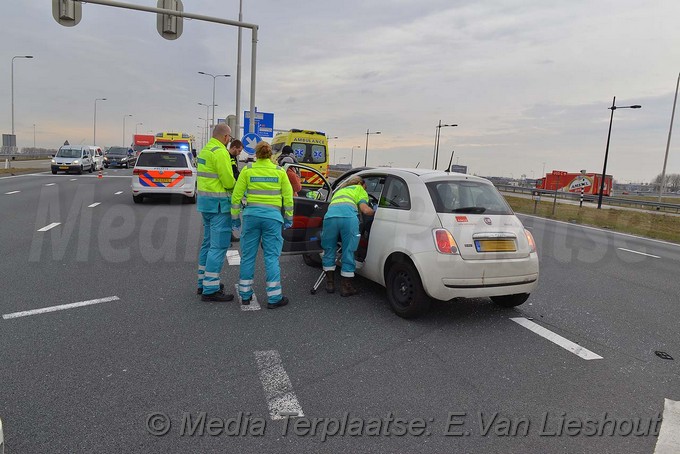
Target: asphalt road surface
{"type": "Point", "coordinates": [141, 365]}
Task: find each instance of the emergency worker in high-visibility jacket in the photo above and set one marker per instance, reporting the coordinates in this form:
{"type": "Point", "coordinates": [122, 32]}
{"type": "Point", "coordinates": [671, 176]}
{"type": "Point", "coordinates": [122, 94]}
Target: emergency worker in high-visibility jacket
{"type": "Point", "coordinates": [214, 187]}
{"type": "Point", "coordinates": [341, 220]}
{"type": "Point", "coordinates": [269, 206]}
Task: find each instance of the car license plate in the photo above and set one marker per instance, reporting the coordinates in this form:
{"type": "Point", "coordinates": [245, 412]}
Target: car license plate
{"type": "Point", "coordinates": [63, 167]}
{"type": "Point", "coordinates": [495, 245]}
{"type": "Point", "coordinates": [162, 180]}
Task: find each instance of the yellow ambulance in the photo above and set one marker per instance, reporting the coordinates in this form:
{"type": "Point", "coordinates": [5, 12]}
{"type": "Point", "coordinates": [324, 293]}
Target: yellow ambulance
{"type": "Point", "coordinates": [310, 148]}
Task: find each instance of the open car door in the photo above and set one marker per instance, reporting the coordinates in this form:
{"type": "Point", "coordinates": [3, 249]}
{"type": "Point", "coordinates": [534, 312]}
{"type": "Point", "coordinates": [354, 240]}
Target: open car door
{"type": "Point", "coordinates": [309, 208]}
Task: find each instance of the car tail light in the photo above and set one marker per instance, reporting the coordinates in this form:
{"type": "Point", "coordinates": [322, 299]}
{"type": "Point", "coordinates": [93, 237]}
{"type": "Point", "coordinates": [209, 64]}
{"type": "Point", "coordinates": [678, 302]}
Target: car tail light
{"type": "Point", "coordinates": [530, 239]}
{"type": "Point", "coordinates": [136, 171]}
{"type": "Point", "coordinates": [184, 173]}
{"type": "Point", "coordinates": [444, 241]}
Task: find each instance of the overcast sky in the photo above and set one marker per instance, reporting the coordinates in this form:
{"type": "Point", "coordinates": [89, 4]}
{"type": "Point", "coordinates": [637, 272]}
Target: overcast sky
{"type": "Point", "coordinates": [528, 82]}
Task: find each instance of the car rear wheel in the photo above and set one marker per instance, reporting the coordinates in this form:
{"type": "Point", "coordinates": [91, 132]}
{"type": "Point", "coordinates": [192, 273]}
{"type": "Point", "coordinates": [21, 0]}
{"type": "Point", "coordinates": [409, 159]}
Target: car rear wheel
{"type": "Point", "coordinates": [510, 300]}
{"type": "Point", "coordinates": [405, 291]}
{"type": "Point", "coordinates": [313, 260]}
{"type": "Point", "coordinates": [191, 200]}
{"type": "Point", "coordinates": [138, 198]}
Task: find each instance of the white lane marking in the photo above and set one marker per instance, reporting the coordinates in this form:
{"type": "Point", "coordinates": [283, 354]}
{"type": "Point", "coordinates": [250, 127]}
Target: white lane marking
{"type": "Point", "coordinates": [94, 204]}
{"type": "Point", "coordinates": [117, 193]}
{"type": "Point", "coordinates": [254, 304]}
{"type": "Point", "coordinates": [59, 308]}
{"type": "Point", "coordinates": [556, 338]}
{"type": "Point", "coordinates": [50, 184]}
{"type": "Point", "coordinates": [636, 252]}
{"type": "Point", "coordinates": [73, 179]}
{"type": "Point", "coordinates": [277, 386]}
{"type": "Point", "coordinates": [601, 230]}
{"type": "Point", "coordinates": [49, 226]}
{"type": "Point", "coordinates": [233, 257]}
{"type": "Point", "coordinates": [12, 192]}
{"type": "Point", "coordinates": [668, 441]}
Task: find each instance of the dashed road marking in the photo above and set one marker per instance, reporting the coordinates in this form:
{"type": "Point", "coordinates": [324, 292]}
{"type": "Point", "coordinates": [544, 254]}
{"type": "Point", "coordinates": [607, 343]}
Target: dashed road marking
{"type": "Point", "coordinates": [668, 441]}
{"type": "Point", "coordinates": [50, 184]}
{"type": "Point", "coordinates": [233, 257]}
{"type": "Point", "coordinates": [556, 338]}
{"type": "Point", "coordinates": [278, 389]}
{"type": "Point", "coordinates": [117, 193]}
{"type": "Point", "coordinates": [11, 192]}
{"type": "Point", "coordinates": [73, 179]}
{"type": "Point", "coordinates": [254, 304]}
{"type": "Point", "coordinates": [49, 226]}
{"type": "Point", "coordinates": [94, 204]}
{"type": "Point", "coordinates": [61, 307]}
{"type": "Point", "coordinates": [637, 252]}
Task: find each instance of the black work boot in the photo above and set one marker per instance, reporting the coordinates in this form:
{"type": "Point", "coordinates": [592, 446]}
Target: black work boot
{"type": "Point", "coordinates": [346, 287]}
{"type": "Point", "coordinates": [281, 303]}
{"type": "Point", "coordinates": [217, 297]}
{"type": "Point", "coordinates": [199, 291]}
{"type": "Point", "coordinates": [330, 281]}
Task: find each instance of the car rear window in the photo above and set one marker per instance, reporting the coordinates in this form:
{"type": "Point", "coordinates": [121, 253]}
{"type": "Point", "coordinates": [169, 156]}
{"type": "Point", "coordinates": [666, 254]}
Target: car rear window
{"type": "Point", "coordinates": [161, 160]}
{"type": "Point", "coordinates": [467, 197]}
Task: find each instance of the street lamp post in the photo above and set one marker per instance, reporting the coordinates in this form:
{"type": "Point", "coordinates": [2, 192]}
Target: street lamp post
{"type": "Point", "coordinates": [207, 113]}
{"type": "Point", "coordinates": [16, 56]}
{"type": "Point", "coordinates": [137, 124]}
{"type": "Point", "coordinates": [214, 76]}
{"type": "Point", "coordinates": [351, 161]}
{"type": "Point", "coordinates": [366, 149]}
{"type": "Point", "coordinates": [34, 137]}
{"type": "Point", "coordinates": [435, 159]}
{"type": "Point", "coordinates": [124, 118]}
{"type": "Point", "coordinates": [606, 153]}
{"type": "Point", "coordinates": [94, 128]}
{"type": "Point", "coordinates": [668, 144]}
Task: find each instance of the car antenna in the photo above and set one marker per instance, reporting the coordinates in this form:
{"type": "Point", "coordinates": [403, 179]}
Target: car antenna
{"type": "Point", "coordinates": [450, 161]}
{"type": "Point", "coordinates": [417, 164]}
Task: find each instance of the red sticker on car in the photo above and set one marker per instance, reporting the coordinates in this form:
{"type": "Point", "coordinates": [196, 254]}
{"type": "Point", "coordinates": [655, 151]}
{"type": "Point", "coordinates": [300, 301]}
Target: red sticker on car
{"type": "Point", "coordinates": [461, 219]}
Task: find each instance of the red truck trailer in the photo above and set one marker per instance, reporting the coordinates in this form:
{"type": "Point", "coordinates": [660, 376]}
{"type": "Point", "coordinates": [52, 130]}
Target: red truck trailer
{"type": "Point", "coordinates": [142, 142]}
{"type": "Point", "coordinates": [573, 182]}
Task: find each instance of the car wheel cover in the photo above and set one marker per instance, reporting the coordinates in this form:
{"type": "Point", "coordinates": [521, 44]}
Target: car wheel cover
{"type": "Point", "coordinates": [402, 288]}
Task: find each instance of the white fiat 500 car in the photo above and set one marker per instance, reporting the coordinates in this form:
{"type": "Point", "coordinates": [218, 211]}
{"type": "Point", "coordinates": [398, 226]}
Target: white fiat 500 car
{"type": "Point", "coordinates": [164, 172]}
{"type": "Point", "coordinates": [435, 235]}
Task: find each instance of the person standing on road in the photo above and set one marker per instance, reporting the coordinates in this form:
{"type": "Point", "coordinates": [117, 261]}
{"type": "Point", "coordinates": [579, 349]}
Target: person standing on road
{"type": "Point", "coordinates": [341, 220]}
{"type": "Point", "coordinates": [268, 193]}
{"type": "Point", "coordinates": [215, 184]}
{"type": "Point", "coordinates": [235, 149]}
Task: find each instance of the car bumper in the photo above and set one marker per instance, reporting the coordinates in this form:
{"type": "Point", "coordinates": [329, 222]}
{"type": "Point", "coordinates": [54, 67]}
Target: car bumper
{"type": "Point", "coordinates": [66, 168]}
{"type": "Point", "coordinates": [452, 277]}
{"type": "Point", "coordinates": [149, 190]}
{"type": "Point", "coordinates": [115, 164]}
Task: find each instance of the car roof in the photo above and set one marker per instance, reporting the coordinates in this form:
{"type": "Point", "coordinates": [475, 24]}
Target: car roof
{"type": "Point", "coordinates": [426, 174]}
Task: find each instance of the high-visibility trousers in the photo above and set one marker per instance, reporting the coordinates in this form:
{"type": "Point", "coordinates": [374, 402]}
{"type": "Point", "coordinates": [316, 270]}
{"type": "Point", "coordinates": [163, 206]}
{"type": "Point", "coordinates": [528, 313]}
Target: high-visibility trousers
{"type": "Point", "coordinates": [347, 229]}
{"type": "Point", "coordinates": [266, 231]}
{"type": "Point", "coordinates": [216, 241]}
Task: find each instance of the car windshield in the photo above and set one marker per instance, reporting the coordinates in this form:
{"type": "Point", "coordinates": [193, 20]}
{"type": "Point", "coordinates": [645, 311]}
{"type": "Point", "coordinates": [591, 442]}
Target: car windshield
{"type": "Point", "coordinates": [117, 151]}
{"type": "Point", "coordinates": [471, 197]}
{"type": "Point", "coordinates": [69, 153]}
{"type": "Point", "coordinates": [161, 159]}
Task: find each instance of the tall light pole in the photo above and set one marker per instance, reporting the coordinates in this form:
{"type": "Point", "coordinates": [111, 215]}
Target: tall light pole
{"type": "Point", "coordinates": [668, 143]}
{"type": "Point", "coordinates": [137, 124]}
{"type": "Point", "coordinates": [16, 56]}
{"type": "Point", "coordinates": [606, 153]}
{"type": "Point", "coordinates": [435, 159]}
{"type": "Point", "coordinates": [238, 75]}
{"type": "Point", "coordinates": [124, 118]}
{"type": "Point", "coordinates": [214, 76]}
{"type": "Point", "coordinates": [207, 113]}
{"type": "Point", "coordinates": [366, 149]}
{"type": "Point", "coordinates": [94, 128]}
{"type": "Point", "coordinates": [351, 161]}
{"type": "Point", "coordinates": [34, 136]}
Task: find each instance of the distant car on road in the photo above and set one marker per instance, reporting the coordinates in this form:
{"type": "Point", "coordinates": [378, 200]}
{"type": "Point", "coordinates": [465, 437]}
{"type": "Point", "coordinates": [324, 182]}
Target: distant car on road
{"type": "Point", "coordinates": [73, 158]}
{"type": "Point", "coordinates": [435, 235]}
{"type": "Point", "coordinates": [119, 157]}
{"type": "Point", "coordinates": [164, 172]}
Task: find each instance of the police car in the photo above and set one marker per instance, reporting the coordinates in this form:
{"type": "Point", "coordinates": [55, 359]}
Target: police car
{"type": "Point", "coordinates": [435, 235]}
{"type": "Point", "coordinates": [164, 172]}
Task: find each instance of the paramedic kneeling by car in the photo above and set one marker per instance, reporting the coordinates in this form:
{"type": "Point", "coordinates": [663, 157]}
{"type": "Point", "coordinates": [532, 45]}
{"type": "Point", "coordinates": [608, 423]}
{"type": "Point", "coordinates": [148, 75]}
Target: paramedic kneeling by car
{"type": "Point", "coordinates": [214, 186]}
{"type": "Point", "coordinates": [341, 221]}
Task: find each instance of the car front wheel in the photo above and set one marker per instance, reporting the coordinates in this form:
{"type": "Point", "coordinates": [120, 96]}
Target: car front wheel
{"type": "Point", "coordinates": [405, 291]}
{"type": "Point", "coordinates": [510, 300]}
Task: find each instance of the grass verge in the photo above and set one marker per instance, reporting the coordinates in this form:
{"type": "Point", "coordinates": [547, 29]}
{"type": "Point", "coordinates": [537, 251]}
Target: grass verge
{"type": "Point", "coordinates": [658, 226]}
{"type": "Point", "coordinates": [17, 171]}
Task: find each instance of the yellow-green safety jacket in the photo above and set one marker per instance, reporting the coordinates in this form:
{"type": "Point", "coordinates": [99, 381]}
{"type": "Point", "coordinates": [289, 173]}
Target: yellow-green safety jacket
{"type": "Point", "coordinates": [345, 202]}
{"type": "Point", "coordinates": [215, 178]}
{"type": "Point", "coordinates": [267, 190]}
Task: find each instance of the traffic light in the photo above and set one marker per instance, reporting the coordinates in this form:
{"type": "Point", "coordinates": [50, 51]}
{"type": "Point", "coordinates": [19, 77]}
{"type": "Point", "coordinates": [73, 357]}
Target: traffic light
{"type": "Point", "coordinates": [67, 12]}
{"type": "Point", "coordinates": [169, 27]}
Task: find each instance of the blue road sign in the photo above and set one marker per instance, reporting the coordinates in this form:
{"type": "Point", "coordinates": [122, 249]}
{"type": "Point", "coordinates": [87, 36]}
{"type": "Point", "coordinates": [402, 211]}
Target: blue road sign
{"type": "Point", "coordinates": [249, 141]}
{"type": "Point", "coordinates": [264, 123]}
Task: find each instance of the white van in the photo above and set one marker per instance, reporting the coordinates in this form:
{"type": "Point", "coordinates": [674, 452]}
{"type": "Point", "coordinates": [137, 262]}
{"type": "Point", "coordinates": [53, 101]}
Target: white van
{"type": "Point", "coordinates": [97, 156]}
{"type": "Point", "coordinates": [72, 158]}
